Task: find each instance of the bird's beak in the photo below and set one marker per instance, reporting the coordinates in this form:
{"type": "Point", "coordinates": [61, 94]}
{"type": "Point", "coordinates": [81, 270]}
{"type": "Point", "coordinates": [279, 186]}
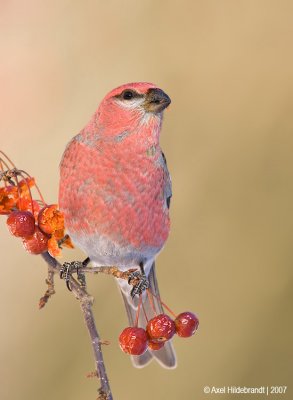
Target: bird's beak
{"type": "Point", "coordinates": [156, 100]}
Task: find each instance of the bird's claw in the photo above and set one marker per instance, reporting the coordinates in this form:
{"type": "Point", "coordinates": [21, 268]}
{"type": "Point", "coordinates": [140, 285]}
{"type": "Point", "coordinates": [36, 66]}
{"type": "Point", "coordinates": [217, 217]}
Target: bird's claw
{"type": "Point", "coordinates": [68, 268]}
{"type": "Point", "coordinates": [141, 285]}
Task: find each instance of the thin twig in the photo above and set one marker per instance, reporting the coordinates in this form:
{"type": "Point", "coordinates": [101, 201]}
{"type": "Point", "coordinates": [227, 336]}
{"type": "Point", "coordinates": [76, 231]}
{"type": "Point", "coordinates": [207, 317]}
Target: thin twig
{"type": "Point", "coordinates": [86, 302]}
{"type": "Point", "coordinates": [51, 289]}
{"type": "Point", "coordinates": [114, 271]}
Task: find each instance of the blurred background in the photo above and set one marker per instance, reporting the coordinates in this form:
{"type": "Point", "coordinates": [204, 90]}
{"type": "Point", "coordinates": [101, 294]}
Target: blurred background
{"type": "Point", "coordinates": [228, 67]}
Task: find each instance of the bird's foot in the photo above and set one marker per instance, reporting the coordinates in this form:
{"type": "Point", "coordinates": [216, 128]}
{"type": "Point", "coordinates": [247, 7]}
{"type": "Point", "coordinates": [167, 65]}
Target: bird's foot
{"type": "Point", "coordinates": [68, 268]}
{"type": "Point", "coordinates": [139, 281]}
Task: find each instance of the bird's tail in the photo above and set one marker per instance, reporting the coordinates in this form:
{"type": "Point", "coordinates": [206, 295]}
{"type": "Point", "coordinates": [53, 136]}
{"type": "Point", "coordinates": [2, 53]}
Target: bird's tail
{"type": "Point", "coordinates": [166, 355]}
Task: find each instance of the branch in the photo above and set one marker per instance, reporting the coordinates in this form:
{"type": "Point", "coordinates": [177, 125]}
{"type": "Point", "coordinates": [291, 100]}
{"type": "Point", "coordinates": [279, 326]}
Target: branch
{"type": "Point", "coordinates": [86, 302]}
{"type": "Point", "coordinates": [50, 291]}
{"type": "Point", "coordinates": [114, 271]}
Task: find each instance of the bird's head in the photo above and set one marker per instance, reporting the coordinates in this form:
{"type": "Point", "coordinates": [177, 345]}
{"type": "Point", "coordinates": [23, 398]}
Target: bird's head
{"type": "Point", "coordinates": [131, 105]}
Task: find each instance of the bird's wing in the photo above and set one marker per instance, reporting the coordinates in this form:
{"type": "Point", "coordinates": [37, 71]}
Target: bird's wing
{"type": "Point", "coordinates": [167, 180]}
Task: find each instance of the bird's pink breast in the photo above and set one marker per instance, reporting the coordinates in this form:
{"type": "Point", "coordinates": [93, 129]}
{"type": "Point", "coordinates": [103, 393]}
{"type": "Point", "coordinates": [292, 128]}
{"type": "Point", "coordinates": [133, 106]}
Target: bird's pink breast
{"type": "Point", "coordinates": [114, 190]}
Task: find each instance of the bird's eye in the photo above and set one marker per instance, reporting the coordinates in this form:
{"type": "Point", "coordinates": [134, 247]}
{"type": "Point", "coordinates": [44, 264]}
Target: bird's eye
{"type": "Point", "coordinates": [128, 95]}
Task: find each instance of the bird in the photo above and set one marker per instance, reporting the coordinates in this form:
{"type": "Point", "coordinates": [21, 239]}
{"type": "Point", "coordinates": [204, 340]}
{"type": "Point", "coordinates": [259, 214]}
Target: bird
{"type": "Point", "coordinates": [115, 191]}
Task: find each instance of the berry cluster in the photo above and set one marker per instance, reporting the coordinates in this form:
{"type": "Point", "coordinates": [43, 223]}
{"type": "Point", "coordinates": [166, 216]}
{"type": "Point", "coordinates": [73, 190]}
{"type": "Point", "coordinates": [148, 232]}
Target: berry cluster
{"type": "Point", "coordinates": [40, 226]}
{"type": "Point", "coordinates": [160, 329]}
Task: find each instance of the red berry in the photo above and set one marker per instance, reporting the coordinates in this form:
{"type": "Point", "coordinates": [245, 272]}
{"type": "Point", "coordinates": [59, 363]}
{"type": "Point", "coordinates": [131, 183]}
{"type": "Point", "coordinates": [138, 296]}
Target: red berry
{"type": "Point", "coordinates": [36, 244]}
{"type": "Point", "coordinates": [186, 324]}
{"type": "Point", "coordinates": [133, 341]}
{"type": "Point", "coordinates": [21, 223]}
{"type": "Point", "coordinates": [161, 328]}
{"type": "Point", "coordinates": [155, 345]}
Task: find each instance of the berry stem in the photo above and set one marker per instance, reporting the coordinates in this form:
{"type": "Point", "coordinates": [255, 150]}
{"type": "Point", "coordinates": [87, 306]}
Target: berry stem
{"type": "Point", "coordinates": [36, 186]}
{"type": "Point", "coordinates": [2, 170]}
{"type": "Point", "coordinates": [18, 188]}
{"type": "Point", "coordinates": [151, 300]}
{"type": "Point", "coordinates": [144, 312]}
{"type": "Point", "coordinates": [30, 192]}
{"type": "Point", "coordinates": [8, 159]}
{"type": "Point", "coordinates": [165, 306]}
{"type": "Point", "coordinates": [138, 311]}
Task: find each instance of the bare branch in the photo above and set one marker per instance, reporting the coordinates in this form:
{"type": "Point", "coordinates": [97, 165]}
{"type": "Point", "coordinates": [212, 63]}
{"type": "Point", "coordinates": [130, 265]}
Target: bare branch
{"type": "Point", "coordinates": [86, 302]}
{"type": "Point", "coordinates": [50, 291]}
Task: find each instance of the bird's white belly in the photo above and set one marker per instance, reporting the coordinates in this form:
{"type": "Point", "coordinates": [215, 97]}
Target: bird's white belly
{"type": "Point", "coordinates": [103, 251]}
